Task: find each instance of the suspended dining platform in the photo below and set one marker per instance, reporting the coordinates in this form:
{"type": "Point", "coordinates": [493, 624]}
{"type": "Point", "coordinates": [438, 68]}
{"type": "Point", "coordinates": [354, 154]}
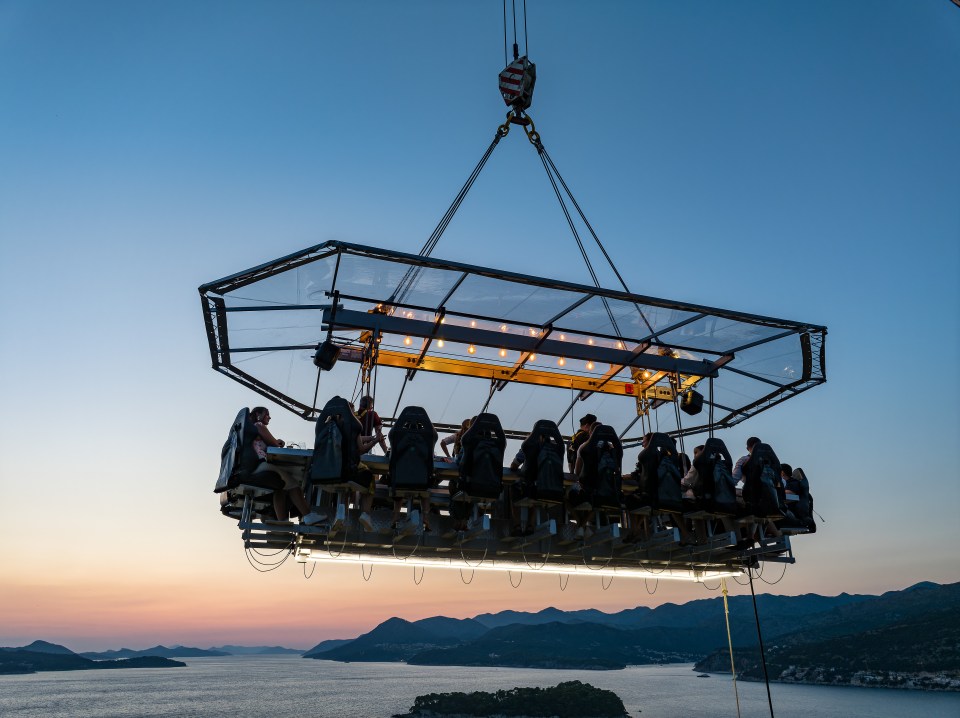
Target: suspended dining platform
{"type": "Point", "coordinates": [355, 309]}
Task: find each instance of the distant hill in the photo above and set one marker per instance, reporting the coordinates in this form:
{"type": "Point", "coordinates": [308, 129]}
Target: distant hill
{"type": "Point", "coordinates": [43, 647]}
{"type": "Point", "coordinates": [900, 639]}
{"type": "Point", "coordinates": [256, 650]}
{"type": "Point", "coordinates": [588, 646]}
{"type": "Point", "coordinates": [396, 639]}
{"type": "Point", "coordinates": [159, 651]}
{"type": "Point", "coordinates": [554, 615]}
{"type": "Point", "coordinates": [780, 612]}
{"type": "Point", "coordinates": [324, 646]}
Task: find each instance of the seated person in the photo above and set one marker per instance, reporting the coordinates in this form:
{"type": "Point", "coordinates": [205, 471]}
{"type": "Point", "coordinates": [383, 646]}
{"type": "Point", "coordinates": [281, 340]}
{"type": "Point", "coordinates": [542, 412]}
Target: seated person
{"type": "Point", "coordinates": [690, 483]}
{"type": "Point", "coordinates": [372, 424]}
{"type": "Point", "coordinates": [258, 437]}
{"type": "Point", "coordinates": [738, 467]}
{"type": "Point", "coordinates": [455, 439]}
{"type": "Point", "coordinates": [598, 476]}
{"type": "Point", "coordinates": [579, 439]}
{"type": "Point", "coordinates": [786, 472]}
{"type": "Point", "coordinates": [579, 494]}
{"type": "Point", "coordinates": [371, 434]}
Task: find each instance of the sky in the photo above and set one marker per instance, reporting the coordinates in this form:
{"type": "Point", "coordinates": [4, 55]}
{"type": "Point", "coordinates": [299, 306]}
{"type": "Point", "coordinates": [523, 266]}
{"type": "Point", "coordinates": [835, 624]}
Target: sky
{"type": "Point", "coordinates": [795, 160]}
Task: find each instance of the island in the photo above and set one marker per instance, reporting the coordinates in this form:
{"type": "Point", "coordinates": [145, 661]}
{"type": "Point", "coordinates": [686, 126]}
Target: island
{"type": "Point", "coordinates": [571, 699]}
{"type": "Point", "coordinates": [52, 657]}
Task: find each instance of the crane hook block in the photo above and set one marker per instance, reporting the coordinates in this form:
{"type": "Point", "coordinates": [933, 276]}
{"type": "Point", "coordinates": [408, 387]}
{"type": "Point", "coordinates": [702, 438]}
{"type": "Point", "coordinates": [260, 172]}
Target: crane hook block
{"type": "Point", "coordinates": [516, 83]}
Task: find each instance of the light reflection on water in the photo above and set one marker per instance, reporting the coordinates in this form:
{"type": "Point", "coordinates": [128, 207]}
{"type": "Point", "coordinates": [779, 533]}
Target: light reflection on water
{"type": "Point", "coordinates": [281, 686]}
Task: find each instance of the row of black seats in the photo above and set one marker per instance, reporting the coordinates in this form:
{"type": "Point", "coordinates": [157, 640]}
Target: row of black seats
{"type": "Point", "coordinates": [336, 455]}
{"type": "Point", "coordinates": [413, 439]}
{"type": "Point", "coordinates": [660, 470]}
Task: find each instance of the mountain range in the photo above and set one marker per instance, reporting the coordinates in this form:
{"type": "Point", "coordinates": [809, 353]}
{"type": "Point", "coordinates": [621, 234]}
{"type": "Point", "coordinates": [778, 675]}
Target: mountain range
{"type": "Point", "coordinates": [903, 638]}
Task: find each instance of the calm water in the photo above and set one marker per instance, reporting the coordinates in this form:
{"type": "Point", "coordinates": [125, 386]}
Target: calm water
{"type": "Point", "coordinates": [290, 686]}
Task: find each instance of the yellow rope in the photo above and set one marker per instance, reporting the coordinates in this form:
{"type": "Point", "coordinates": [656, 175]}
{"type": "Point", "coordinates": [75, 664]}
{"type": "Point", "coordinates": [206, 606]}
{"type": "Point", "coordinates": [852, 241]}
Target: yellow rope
{"type": "Point", "coordinates": [733, 670]}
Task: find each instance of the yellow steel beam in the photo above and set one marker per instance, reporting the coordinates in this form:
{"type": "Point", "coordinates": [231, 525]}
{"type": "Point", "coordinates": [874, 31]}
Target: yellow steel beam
{"type": "Point", "coordinates": [494, 372]}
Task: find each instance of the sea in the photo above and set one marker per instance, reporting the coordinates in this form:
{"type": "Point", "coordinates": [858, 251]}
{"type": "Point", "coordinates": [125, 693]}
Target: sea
{"type": "Point", "coordinates": [281, 686]}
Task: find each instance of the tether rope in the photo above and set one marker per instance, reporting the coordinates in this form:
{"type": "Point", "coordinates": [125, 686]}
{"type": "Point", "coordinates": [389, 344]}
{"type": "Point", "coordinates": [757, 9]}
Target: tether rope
{"type": "Point", "coordinates": [763, 656]}
{"type": "Point", "coordinates": [733, 668]}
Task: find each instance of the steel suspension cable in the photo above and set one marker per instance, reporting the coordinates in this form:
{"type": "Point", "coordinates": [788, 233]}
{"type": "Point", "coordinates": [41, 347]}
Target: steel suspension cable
{"type": "Point", "coordinates": [406, 282]}
{"type": "Point", "coordinates": [586, 222]}
{"type": "Point", "coordinates": [541, 152]}
{"type": "Point", "coordinates": [506, 61]}
{"type": "Point", "coordinates": [526, 46]}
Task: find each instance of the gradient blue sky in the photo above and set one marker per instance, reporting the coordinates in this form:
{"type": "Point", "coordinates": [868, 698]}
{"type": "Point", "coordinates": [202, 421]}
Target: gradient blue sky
{"type": "Point", "coordinates": [788, 159]}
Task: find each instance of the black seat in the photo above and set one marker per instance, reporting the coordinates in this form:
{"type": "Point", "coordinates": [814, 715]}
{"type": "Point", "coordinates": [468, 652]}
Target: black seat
{"type": "Point", "coordinates": [412, 443]}
{"type": "Point", "coordinates": [659, 473]}
{"type": "Point", "coordinates": [602, 457]}
{"type": "Point", "coordinates": [336, 456]}
{"type": "Point", "coordinates": [762, 487]}
{"type": "Point", "coordinates": [802, 508]}
{"type": "Point", "coordinates": [542, 466]}
{"type": "Point", "coordinates": [481, 468]}
{"type": "Point", "coordinates": [239, 461]}
{"type": "Point", "coordinates": [718, 490]}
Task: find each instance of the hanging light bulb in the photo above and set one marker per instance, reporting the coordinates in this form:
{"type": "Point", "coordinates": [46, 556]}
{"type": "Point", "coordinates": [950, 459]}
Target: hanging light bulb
{"type": "Point", "coordinates": [408, 341]}
{"type": "Point", "coordinates": [471, 349]}
{"type": "Point", "coordinates": [619, 345]}
{"type": "Point", "coordinates": [590, 342]}
{"type": "Point", "coordinates": [533, 357]}
{"type": "Point", "coordinates": [589, 366]}
{"type": "Point", "coordinates": [503, 327]}
{"type": "Point", "coordinates": [563, 337]}
{"type": "Point", "coordinates": [440, 343]}
{"type": "Point", "coordinates": [503, 352]}
{"type": "Point", "coordinates": [646, 374]}
{"type": "Point", "coordinates": [473, 322]}
{"type": "Point", "coordinates": [561, 361]}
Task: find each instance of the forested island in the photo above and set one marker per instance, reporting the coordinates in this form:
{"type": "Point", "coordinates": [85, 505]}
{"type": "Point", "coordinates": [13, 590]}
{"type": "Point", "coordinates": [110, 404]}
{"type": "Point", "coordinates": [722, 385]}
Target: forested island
{"type": "Point", "coordinates": [43, 656]}
{"type": "Point", "coordinates": [571, 699]}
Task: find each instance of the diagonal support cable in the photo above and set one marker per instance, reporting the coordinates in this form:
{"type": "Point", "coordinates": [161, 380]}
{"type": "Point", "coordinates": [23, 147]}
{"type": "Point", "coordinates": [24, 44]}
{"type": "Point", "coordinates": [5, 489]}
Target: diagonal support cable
{"type": "Point", "coordinates": [409, 278]}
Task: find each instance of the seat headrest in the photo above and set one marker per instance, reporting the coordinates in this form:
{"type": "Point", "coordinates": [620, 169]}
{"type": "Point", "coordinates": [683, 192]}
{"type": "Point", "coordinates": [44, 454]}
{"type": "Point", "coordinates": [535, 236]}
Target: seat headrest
{"type": "Point", "coordinates": [413, 419]}
{"type": "Point", "coordinates": [486, 425]}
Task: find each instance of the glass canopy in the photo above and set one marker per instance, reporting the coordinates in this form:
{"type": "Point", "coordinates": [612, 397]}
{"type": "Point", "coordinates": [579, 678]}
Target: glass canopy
{"type": "Point", "coordinates": [623, 354]}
